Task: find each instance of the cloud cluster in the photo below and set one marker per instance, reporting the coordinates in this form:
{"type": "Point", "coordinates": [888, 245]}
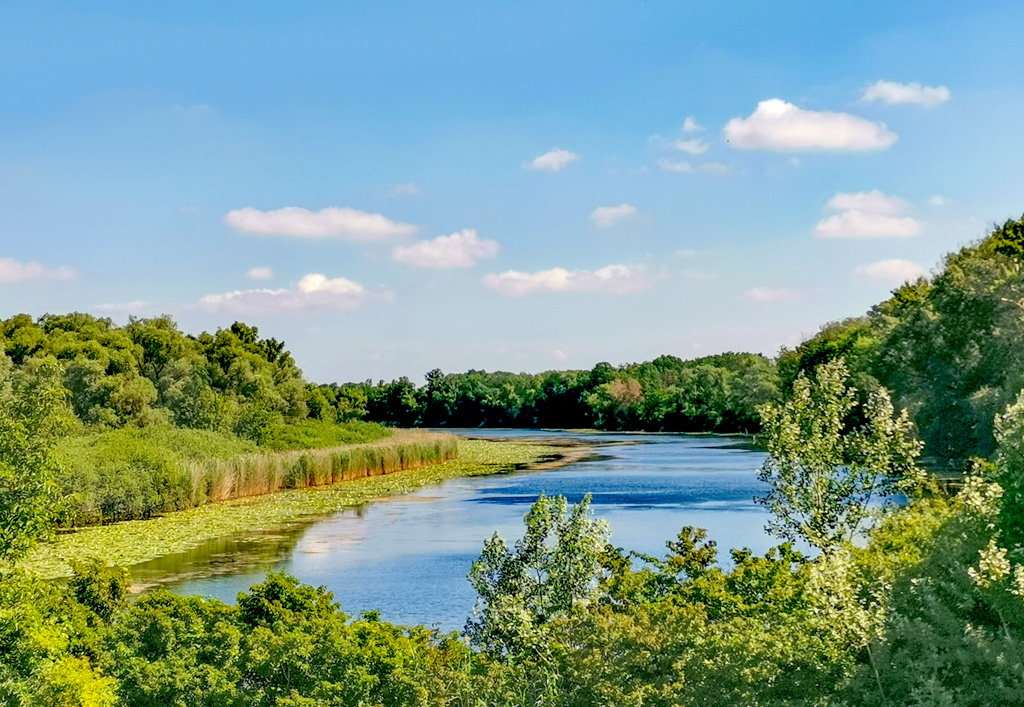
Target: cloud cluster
{"type": "Point", "coordinates": [608, 216]}
{"type": "Point", "coordinates": [314, 291]}
{"type": "Point", "coordinates": [616, 279]}
{"type": "Point", "coordinates": [458, 250]}
{"type": "Point", "coordinates": [332, 222]}
{"type": "Point", "coordinates": [12, 270]}
{"type": "Point", "coordinates": [781, 126]}
{"type": "Point", "coordinates": [894, 271]}
{"type": "Point", "coordinates": [867, 215]}
{"type": "Point", "coordinates": [890, 92]}
{"type": "Point", "coordinates": [552, 161]}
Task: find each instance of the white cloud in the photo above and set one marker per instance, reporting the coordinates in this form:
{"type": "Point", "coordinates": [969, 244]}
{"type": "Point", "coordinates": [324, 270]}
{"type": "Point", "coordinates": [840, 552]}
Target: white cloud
{"type": "Point", "coordinates": [715, 169]}
{"type": "Point", "coordinates": [892, 271]}
{"type": "Point", "coordinates": [608, 216]}
{"type": "Point", "coordinates": [890, 92]}
{"type": "Point", "coordinates": [122, 307]}
{"type": "Point", "coordinates": [260, 274]}
{"type": "Point", "coordinates": [406, 189]}
{"type": "Point", "coordinates": [937, 200]}
{"type": "Point", "coordinates": [617, 279]}
{"type": "Point", "coordinates": [332, 222]}
{"type": "Point", "coordinates": [693, 147]}
{"type": "Point", "coordinates": [559, 355]}
{"type": "Point", "coordinates": [314, 291]}
{"type": "Point", "coordinates": [867, 215]}
{"type": "Point", "coordinates": [858, 224]}
{"type": "Point", "coordinates": [685, 253]}
{"type": "Point", "coordinates": [781, 126]}
{"type": "Point", "coordinates": [12, 270]}
{"type": "Point", "coordinates": [690, 125]}
{"type": "Point", "coordinates": [458, 250]}
{"type": "Point", "coordinates": [553, 161]}
{"type": "Point", "coordinates": [773, 294]}
{"type": "Point", "coordinates": [873, 201]}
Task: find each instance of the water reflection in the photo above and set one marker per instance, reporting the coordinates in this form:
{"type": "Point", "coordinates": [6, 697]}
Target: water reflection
{"type": "Point", "coordinates": [408, 556]}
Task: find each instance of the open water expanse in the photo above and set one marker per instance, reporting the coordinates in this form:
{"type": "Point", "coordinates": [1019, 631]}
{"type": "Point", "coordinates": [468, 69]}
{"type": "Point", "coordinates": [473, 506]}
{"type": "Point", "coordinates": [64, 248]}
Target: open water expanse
{"type": "Point", "coordinates": [408, 556]}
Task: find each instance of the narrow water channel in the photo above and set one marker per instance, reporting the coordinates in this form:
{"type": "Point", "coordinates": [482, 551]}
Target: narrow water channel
{"type": "Point", "coordinates": [408, 556]}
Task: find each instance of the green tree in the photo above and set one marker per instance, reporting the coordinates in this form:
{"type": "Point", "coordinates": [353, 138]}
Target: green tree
{"type": "Point", "coordinates": [822, 476]}
{"type": "Point", "coordinates": [33, 412]}
{"type": "Point", "coordinates": [552, 571]}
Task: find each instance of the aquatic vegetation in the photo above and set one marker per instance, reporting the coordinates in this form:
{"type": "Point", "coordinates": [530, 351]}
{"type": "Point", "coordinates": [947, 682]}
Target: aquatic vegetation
{"type": "Point", "coordinates": [132, 542]}
{"type": "Point", "coordinates": [133, 474]}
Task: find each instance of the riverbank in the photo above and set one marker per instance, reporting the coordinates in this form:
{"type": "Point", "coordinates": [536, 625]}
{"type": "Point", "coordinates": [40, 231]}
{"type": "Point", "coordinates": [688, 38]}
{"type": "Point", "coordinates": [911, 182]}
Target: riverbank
{"type": "Point", "coordinates": [133, 542]}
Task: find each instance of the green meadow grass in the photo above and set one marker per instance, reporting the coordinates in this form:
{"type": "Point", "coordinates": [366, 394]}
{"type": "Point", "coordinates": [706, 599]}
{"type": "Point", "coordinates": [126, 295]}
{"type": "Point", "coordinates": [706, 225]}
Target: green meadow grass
{"type": "Point", "coordinates": [131, 542]}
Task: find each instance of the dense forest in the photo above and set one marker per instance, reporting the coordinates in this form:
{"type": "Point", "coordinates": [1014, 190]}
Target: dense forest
{"type": "Point", "coordinates": [711, 394]}
{"type": "Point", "coordinates": [149, 372]}
{"type": "Point", "coordinates": [913, 603]}
{"type": "Point", "coordinates": [949, 348]}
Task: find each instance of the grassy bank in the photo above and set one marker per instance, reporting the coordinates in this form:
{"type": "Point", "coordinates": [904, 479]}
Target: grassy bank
{"type": "Point", "coordinates": [138, 473]}
{"type": "Point", "coordinates": [131, 542]}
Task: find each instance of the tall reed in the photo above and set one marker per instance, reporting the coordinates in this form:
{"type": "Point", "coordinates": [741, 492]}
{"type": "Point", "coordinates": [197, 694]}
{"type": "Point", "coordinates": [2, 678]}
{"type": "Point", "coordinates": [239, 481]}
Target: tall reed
{"type": "Point", "coordinates": [261, 473]}
{"type": "Point", "coordinates": [141, 477]}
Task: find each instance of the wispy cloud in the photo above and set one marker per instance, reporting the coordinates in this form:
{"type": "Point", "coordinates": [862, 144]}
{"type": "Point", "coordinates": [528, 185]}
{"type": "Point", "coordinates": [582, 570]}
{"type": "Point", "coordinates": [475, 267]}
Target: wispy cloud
{"type": "Point", "coordinates": [458, 250]}
{"type": "Point", "coordinates": [692, 147]}
{"type": "Point", "coordinates": [552, 161]}
{"type": "Point", "coordinates": [314, 291]}
{"type": "Point", "coordinates": [406, 189]}
{"type": "Point", "coordinates": [123, 307]}
{"type": "Point", "coordinates": [260, 274]}
{"type": "Point", "coordinates": [697, 275]}
{"type": "Point", "coordinates": [772, 295]}
{"type": "Point", "coordinates": [781, 126]}
{"type": "Point", "coordinates": [893, 271]}
{"type": "Point", "coordinates": [12, 270]}
{"type": "Point", "coordinates": [867, 215]}
{"type": "Point", "coordinates": [891, 93]}
{"type": "Point", "coordinates": [715, 169]}
{"type": "Point", "coordinates": [608, 216]}
{"type": "Point", "coordinates": [332, 222]}
{"type": "Point", "coordinates": [616, 279]}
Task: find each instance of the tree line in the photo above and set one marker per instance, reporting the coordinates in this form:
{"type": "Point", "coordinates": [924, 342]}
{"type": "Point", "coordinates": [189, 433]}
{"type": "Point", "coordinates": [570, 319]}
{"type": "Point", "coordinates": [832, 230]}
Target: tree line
{"type": "Point", "coordinates": [711, 394]}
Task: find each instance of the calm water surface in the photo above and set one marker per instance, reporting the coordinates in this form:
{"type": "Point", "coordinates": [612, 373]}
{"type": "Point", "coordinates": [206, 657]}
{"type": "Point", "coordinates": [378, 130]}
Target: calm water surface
{"type": "Point", "coordinates": [408, 556]}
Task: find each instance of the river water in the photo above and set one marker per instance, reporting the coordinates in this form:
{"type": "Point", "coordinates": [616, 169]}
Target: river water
{"type": "Point", "coordinates": [407, 557]}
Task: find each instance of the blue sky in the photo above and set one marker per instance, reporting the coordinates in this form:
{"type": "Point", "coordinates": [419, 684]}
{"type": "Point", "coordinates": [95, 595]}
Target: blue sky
{"type": "Point", "coordinates": [392, 187]}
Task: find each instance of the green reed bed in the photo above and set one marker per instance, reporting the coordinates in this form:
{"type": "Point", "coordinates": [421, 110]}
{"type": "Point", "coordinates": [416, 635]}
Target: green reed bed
{"type": "Point", "coordinates": [131, 542]}
{"type": "Point", "coordinates": [136, 474]}
{"type": "Point", "coordinates": [269, 472]}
